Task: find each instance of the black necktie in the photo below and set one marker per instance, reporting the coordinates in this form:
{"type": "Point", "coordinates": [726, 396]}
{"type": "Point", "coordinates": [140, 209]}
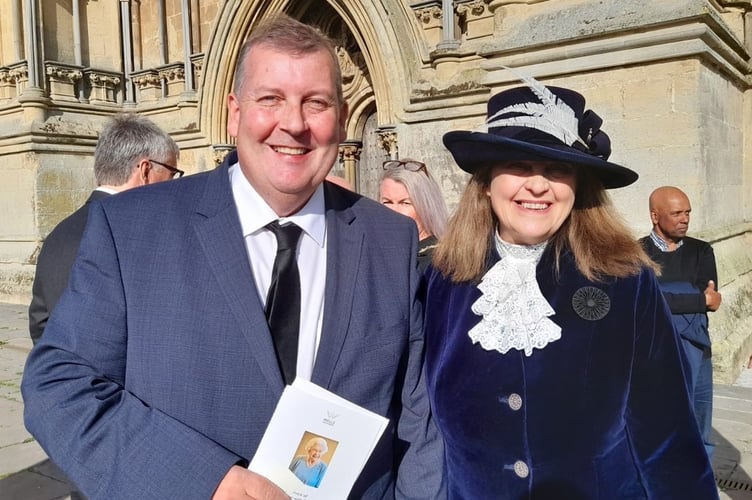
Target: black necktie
{"type": "Point", "coordinates": [283, 299]}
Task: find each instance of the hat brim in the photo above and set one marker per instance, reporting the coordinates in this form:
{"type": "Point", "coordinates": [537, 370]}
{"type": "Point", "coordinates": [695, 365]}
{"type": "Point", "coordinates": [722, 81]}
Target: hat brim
{"type": "Point", "coordinates": [474, 150]}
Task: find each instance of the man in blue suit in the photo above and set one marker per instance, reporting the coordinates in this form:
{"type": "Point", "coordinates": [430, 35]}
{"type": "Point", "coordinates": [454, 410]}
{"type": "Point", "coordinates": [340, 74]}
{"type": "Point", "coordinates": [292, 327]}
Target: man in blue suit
{"type": "Point", "coordinates": [157, 374]}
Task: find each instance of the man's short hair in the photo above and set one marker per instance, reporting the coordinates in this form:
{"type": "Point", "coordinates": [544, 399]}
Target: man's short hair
{"type": "Point", "coordinates": [288, 35]}
{"type": "Point", "coordinates": [127, 139]}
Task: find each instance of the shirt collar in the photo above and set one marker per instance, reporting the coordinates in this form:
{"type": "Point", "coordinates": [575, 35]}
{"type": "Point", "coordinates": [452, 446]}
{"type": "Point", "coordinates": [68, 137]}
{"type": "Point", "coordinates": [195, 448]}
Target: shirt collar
{"type": "Point", "coordinates": [255, 213]}
{"type": "Point", "coordinates": [660, 243]}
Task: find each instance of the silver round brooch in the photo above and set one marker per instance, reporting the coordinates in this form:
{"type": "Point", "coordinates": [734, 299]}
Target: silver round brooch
{"type": "Point", "coordinates": [591, 303]}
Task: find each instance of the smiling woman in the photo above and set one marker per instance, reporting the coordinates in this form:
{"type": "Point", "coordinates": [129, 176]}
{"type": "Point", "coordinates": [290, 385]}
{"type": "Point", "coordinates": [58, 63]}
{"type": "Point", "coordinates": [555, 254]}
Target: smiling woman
{"type": "Point", "coordinates": [407, 187]}
{"type": "Point", "coordinates": [544, 313]}
{"type": "Point", "coordinates": [531, 199]}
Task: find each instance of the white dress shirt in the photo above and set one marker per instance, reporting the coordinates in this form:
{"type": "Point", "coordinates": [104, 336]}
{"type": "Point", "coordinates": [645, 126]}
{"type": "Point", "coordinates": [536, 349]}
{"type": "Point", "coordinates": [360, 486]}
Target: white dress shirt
{"type": "Point", "coordinates": [261, 245]}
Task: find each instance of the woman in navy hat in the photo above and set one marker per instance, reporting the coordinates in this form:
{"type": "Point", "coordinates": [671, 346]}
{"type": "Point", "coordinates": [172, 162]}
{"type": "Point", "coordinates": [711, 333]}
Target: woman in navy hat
{"type": "Point", "coordinates": [553, 367]}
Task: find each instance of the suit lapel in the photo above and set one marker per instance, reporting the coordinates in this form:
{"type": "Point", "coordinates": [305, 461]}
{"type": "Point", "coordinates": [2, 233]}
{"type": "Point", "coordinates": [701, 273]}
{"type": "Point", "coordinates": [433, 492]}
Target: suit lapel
{"type": "Point", "coordinates": [218, 230]}
{"type": "Point", "coordinates": [344, 246]}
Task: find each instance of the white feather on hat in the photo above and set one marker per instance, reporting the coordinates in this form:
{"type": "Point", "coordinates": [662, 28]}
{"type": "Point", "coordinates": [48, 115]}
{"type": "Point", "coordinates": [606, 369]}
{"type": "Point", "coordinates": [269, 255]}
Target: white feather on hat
{"type": "Point", "coordinates": [552, 115]}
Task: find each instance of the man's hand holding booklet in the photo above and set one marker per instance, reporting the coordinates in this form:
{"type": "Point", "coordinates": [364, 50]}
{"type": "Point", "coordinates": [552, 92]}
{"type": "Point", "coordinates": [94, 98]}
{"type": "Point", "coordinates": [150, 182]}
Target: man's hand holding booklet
{"type": "Point", "coordinates": [317, 443]}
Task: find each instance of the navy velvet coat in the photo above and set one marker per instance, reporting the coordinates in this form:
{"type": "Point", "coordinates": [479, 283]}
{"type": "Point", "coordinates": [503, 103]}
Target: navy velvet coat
{"type": "Point", "coordinates": [601, 413]}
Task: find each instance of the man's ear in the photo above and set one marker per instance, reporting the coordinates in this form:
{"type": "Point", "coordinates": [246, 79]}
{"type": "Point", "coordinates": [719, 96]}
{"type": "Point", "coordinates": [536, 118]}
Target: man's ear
{"type": "Point", "coordinates": [653, 217]}
{"type": "Point", "coordinates": [143, 168]}
{"type": "Point", "coordinates": [233, 115]}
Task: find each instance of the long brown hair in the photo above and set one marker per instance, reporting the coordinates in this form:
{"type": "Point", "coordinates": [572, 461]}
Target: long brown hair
{"type": "Point", "coordinates": [602, 244]}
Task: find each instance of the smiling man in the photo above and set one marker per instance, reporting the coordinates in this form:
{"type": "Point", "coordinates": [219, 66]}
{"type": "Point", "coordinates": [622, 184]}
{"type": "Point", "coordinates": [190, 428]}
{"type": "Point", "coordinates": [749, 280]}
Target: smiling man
{"type": "Point", "coordinates": [192, 304]}
{"type": "Point", "coordinates": [689, 284]}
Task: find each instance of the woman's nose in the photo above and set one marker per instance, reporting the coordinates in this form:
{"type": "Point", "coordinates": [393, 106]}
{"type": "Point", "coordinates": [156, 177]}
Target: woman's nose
{"type": "Point", "coordinates": [537, 184]}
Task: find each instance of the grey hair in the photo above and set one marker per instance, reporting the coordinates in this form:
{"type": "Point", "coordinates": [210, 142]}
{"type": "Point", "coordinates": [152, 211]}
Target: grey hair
{"type": "Point", "coordinates": [426, 197]}
{"type": "Point", "coordinates": [288, 35]}
{"type": "Point", "coordinates": [127, 139]}
{"type": "Point", "coordinates": [319, 440]}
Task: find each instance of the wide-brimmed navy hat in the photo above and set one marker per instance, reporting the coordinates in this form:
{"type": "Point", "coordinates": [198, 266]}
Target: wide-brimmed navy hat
{"type": "Point", "coordinates": [544, 124]}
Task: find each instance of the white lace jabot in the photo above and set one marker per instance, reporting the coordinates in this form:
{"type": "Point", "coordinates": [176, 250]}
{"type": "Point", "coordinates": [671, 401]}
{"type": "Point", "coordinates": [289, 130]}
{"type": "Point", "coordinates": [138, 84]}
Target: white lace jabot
{"type": "Point", "coordinates": [515, 313]}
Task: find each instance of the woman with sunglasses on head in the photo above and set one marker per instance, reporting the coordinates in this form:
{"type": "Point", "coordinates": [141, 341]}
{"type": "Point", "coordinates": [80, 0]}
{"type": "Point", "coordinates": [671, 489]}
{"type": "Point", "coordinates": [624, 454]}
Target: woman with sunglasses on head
{"type": "Point", "coordinates": [407, 187]}
{"type": "Point", "coordinates": [553, 368]}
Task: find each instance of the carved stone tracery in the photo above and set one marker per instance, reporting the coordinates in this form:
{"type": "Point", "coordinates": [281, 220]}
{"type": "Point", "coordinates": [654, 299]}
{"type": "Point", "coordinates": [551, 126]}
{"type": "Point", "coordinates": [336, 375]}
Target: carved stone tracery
{"type": "Point", "coordinates": [472, 9]}
{"type": "Point", "coordinates": [220, 151]}
{"type": "Point", "coordinates": [476, 18]}
{"type": "Point", "coordinates": [388, 141]}
{"type": "Point", "coordinates": [102, 79]}
{"type": "Point", "coordinates": [197, 60]}
{"type": "Point", "coordinates": [352, 66]}
{"type": "Point", "coordinates": [349, 156]}
{"type": "Point", "coordinates": [146, 79]}
{"type": "Point", "coordinates": [63, 80]}
{"type": "Point", "coordinates": [7, 84]}
{"type": "Point", "coordinates": [173, 73]}
{"type": "Point", "coordinates": [430, 16]}
{"type": "Point", "coordinates": [104, 86]}
{"type": "Point", "coordinates": [350, 151]}
{"type": "Point", "coordinates": [63, 74]}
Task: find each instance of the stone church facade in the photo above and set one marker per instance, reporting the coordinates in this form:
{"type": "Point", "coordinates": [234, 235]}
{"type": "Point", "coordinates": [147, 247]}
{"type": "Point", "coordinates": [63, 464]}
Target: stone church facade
{"type": "Point", "coordinates": [671, 80]}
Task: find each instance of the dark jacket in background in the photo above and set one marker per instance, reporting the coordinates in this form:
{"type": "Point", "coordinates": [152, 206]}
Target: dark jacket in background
{"type": "Point", "coordinates": [54, 265]}
{"type": "Point", "coordinates": [685, 273]}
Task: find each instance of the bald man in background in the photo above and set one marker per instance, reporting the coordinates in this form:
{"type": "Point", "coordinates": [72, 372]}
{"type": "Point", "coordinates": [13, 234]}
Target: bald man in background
{"type": "Point", "coordinates": [688, 282]}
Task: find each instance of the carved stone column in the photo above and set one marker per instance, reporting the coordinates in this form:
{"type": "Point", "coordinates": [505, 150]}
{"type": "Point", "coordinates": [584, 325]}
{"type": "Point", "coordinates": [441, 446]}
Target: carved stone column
{"type": "Point", "coordinates": [63, 80]}
{"type": "Point", "coordinates": [349, 156]}
{"type": "Point", "coordinates": [449, 39]}
{"type": "Point", "coordinates": [188, 85]}
{"type": "Point", "coordinates": [32, 36]}
{"type": "Point", "coordinates": [126, 37]}
{"type": "Point", "coordinates": [104, 86]}
{"type": "Point", "coordinates": [16, 14]}
{"type": "Point", "coordinates": [388, 141]}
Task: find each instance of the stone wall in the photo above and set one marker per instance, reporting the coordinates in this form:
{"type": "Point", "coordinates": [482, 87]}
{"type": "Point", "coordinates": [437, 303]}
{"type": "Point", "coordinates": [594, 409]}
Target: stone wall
{"type": "Point", "coordinates": [731, 325]}
{"type": "Point", "coordinates": [669, 78]}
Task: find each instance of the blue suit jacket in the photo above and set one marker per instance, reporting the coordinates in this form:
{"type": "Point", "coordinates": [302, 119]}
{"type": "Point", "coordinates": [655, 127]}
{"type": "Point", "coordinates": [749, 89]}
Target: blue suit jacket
{"type": "Point", "coordinates": [157, 372]}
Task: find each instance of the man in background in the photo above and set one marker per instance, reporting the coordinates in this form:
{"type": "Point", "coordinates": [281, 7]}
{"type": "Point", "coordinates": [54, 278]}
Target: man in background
{"type": "Point", "coordinates": [131, 151]}
{"type": "Point", "coordinates": [688, 282]}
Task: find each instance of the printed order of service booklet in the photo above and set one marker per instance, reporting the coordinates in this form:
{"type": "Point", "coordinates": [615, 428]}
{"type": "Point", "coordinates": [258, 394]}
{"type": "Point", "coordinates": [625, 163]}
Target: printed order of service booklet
{"type": "Point", "coordinates": [316, 443]}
